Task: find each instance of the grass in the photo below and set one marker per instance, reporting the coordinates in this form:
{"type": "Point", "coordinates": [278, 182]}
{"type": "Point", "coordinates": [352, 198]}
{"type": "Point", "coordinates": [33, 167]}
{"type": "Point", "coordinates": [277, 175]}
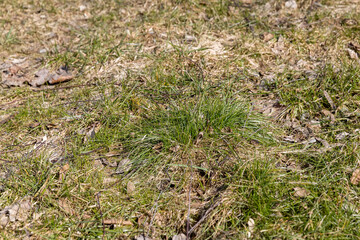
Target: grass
{"type": "Point", "coordinates": [218, 120]}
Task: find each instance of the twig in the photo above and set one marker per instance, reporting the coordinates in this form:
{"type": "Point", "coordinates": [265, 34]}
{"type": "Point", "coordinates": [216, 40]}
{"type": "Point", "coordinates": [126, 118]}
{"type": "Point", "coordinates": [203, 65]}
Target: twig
{"type": "Point", "coordinates": [64, 87]}
{"type": "Point", "coordinates": [189, 205]}
{"type": "Point", "coordinates": [81, 101]}
{"type": "Point", "coordinates": [8, 161]}
{"type": "Point", "coordinates": [101, 214]}
{"type": "Point", "coordinates": [205, 216]}
{"type": "Point", "coordinates": [91, 151]}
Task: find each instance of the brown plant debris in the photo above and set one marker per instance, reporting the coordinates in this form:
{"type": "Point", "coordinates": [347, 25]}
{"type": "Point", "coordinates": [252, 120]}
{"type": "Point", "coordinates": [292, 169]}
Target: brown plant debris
{"type": "Point", "coordinates": [19, 211]}
{"type": "Point", "coordinates": [355, 178]}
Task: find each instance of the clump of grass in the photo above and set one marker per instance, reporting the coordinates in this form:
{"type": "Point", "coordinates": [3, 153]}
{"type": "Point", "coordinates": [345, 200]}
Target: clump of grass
{"type": "Point", "coordinates": [185, 123]}
{"type": "Point", "coordinates": [304, 95]}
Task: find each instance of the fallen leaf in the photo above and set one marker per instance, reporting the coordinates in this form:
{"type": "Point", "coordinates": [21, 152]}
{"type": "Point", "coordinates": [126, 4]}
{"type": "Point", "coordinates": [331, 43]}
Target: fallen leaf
{"type": "Point", "coordinates": [290, 139]}
{"type": "Point", "coordinates": [251, 227]}
{"type": "Point", "coordinates": [37, 216]}
{"type": "Point", "coordinates": [300, 192]}
{"type": "Point", "coordinates": [63, 170]}
{"type": "Point", "coordinates": [15, 74]}
{"type": "Point", "coordinates": [12, 76]}
{"type": "Point", "coordinates": [90, 134]}
{"type": "Point", "coordinates": [62, 75]}
{"type": "Point", "coordinates": [40, 78]}
{"type": "Point", "coordinates": [106, 162]}
{"type": "Point", "coordinates": [330, 101]}
{"type": "Point", "coordinates": [267, 36]}
{"type": "Point", "coordinates": [123, 166]}
{"type": "Point", "coordinates": [117, 222]}
{"type": "Point", "coordinates": [355, 178]}
{"type": "Point", "coordinates": [109, 180]}
{"type": "Point", "coordinates": [34, 124]}
{"type": "Point", "coordinates": [327, 113]}
{"type": "Point", "coordinates": [82, 8]}
{"type": "Point", "coordinates": [158, 147]}
{"type": "Point", "coordinates": [175, 149]}
{"type": "Point", "coordinates": [130, 187]}
{"type": "Point", "coordinates": [18, 211]}
{"type": "Point", "coordinates": [291, 4]}
{"type": "Point", "coordinates": [341, 135]}
{"type": "Point", "coordinates": [349, 22]}
{"type": "Point", "coordinates": [199, 138]}
{"type": "Point", "coordinates": [323, 142]}
{"type": "Point", "coordinates": [179, 237]}
{"type": "Point", "coordinates": [355, 47]}
{"type": "Point", "coordinates": [45, 76]}
{"type": "Point", "coordinates": [190, 38]}
{"type": "Point", "coordinates": [353, 55]}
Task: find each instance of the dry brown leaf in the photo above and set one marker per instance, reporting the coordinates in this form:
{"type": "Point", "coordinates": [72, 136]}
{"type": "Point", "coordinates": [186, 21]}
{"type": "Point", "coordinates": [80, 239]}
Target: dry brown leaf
{"type": "Point", "coordinates": [327, 113]}
{"type": "Point", "coordinates": [353, 55]}
{"type": "Point", "coordinates": [199, 138]}
{"type": "Point", "coordinates": [123, 166]}
{"type": "Point", "coordinates": [90, 133]}
{"type": "Point", "coordinates": [130, 187]}
{"type": "Point", "coordinates": [106, 162]}
{"type": "Point", "coordinates": [267, 36]}
{"type": "Point", "coordinates": [158, 146]}
{"type": "Point", "coordinates": [300, 192]}
{"type": "Point", "coordinates": [40, 78]}
{"type": "Point", "coordinates": [45, 76]}
{"type": "Point", "coordinates": [63, 170]}
{"type": "Point", "coordinates": [251, 226]}
{"type": "Point", "coordinates": [175, 149]}
{"type": "Point", "coordinates": [349, 22]}
{"type": "Point", "coordinates": [12, 76]}
{"type": "Point", "coordinates": [110, 180]}
{"type": "Point", "coordinates": [66, 207]}
{"type": "Point", "coordinates": [341, 135]}
{"type": "Point", "coordinates": [355, 47]}
{"type": "Point", "coordinates": [330, 101]}
{"type": "Point", "coordinates": [179, 237]}
{"type": "Point", "coordinates": [190, 38]}
{"type": "Point", "coordinates": [355, 178]}
{"type": "Point", "coordinates": [18, 211]}
{"type": "Point", "coordinates": [291, 4]}
{"type": "Point", "coordinates": [117, 222]}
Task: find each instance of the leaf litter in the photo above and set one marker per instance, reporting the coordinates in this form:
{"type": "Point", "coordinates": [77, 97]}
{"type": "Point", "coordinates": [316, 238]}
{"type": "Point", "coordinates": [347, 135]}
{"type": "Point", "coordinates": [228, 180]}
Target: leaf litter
{"type": "Point", "coordinates": [17, 212]}
{"type": "Point", "coordinates": [18, 73]}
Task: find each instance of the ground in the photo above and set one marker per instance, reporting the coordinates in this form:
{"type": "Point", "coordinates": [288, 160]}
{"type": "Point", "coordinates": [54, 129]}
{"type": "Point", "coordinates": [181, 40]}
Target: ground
{"type": "Point", "coordinates": [219, 119]}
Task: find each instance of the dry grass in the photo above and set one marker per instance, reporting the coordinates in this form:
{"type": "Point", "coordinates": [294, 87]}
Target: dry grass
{"type": "Point", "coordinates": [215, 119]}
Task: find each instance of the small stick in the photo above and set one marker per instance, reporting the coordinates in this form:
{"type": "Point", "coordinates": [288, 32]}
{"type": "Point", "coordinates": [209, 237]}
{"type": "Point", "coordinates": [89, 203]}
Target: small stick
{"type": "Point", "coordinates": [330, 101]}
{"type": "Point", "coordinates": [204, 216]}
{"type": "Point", "coordinates": [101, 214]}
{"type": "Point", "coordinates": [189, 198]}
{"type": "Point", "coordinates": [64, 87]}
{"type": "Point", "coordinates": [60, 79]}
{"type": "Point", "coordinates": [8, 161]}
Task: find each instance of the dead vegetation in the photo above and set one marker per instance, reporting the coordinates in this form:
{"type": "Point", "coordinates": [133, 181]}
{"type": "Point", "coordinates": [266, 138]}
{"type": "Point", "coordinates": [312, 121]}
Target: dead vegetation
{"type": "Point", "coordinates": [179, 119]}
